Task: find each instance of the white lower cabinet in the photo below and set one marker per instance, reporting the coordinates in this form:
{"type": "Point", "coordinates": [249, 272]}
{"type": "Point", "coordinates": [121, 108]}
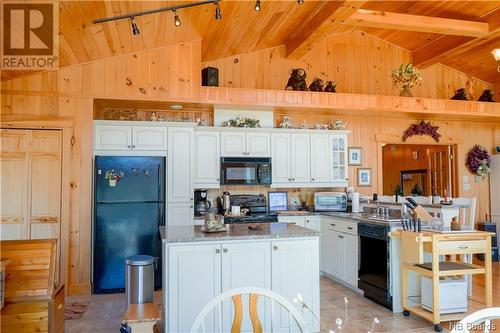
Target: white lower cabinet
{"type": "Point", "coordinates": [246, 265]}
{"type": "Point", "coordinates": [195, 274]}
{"type": "Point", "coordinates": [180, 213]}
{"type": "Point", "coordinates": [295, 270]}
{"type": "Point", "coordinates": [340, 250]}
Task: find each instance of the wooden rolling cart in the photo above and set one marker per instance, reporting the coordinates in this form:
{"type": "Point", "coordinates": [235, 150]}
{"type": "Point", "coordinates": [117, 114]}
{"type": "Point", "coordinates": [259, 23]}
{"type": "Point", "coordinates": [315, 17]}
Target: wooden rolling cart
{"type": "Point", "coordinates": [413, 247]}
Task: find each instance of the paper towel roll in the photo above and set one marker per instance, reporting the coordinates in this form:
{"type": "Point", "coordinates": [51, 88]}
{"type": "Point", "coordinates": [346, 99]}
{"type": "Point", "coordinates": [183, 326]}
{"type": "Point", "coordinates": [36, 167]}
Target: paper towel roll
{"type": "Point", "coordinates": [355, 202]}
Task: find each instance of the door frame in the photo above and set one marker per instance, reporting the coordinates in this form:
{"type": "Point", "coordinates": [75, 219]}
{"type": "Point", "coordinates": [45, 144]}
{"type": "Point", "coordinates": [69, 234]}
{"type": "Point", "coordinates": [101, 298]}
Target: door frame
{"type": "Point", "coordinates": [456, 144]}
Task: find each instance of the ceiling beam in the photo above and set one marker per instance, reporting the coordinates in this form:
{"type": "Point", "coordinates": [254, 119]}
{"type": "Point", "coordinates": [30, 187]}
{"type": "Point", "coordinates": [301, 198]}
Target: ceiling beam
{"type": "Point", "coordinates": [397, 21]}
{"type": "Point", "coordinates": [323, 22]}
{"type": "Point", "coordinates": [448, 47]}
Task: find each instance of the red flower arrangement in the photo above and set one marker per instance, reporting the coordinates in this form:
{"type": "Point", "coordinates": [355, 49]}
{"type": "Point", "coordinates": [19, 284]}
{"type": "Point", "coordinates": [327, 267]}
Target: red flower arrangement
{"type": "Point", "coordinates": [422, 129]}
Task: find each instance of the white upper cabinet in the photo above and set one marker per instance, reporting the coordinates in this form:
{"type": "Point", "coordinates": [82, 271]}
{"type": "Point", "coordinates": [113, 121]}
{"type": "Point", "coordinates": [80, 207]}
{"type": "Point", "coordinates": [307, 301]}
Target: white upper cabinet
{"type": "Point", "coordinates": [280, 162]}
{"type": "Point", "coordinates": [338, 150]}
{"type": "Point", "coordinates": [207, 159]}
{"type": "Point", "coordinates": [149, 138]}
{"type": "Point", "coordinates": [258, 144]}
{"type": "Point", "coordinates": [118, 136]}
{"type": "Point", "coordinates": [300, 158]}
{"type": "Point", "coordinates": [233, 144]}
{"type": "Point", "coordinates": [320, 158]}
{"type": "Point", "coordinates": [112, 137]}
{"type": "Point", "coordinates": [180, 164]}
{"type": "Point", "coordinates": [245, 144]}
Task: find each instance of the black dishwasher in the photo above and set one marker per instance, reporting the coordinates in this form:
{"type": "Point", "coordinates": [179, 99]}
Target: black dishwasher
{"type": "Point", "coordinates": [374, 269]}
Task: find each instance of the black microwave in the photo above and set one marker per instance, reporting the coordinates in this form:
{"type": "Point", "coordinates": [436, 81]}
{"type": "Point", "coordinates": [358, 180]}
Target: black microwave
{"type": "Point", "coordinates": [245, 171]}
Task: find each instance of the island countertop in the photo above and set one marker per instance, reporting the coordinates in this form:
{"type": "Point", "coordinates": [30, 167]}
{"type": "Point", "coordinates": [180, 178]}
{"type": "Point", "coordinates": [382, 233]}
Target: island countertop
{"type": "Point", "coordinates": [187, 234]}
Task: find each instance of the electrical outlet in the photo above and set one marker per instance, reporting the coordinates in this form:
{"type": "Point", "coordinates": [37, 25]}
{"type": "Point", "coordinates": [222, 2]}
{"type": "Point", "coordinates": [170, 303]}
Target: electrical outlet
{"type": "Point", "coordinates": [466, 187]}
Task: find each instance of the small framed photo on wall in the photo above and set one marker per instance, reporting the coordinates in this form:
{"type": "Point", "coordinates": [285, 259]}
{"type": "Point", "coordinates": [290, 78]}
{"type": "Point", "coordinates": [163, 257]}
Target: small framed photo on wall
{"type": "Point", "coordinates": [355, 157]}
{"type": "Point", "coordinates": [364, 177]}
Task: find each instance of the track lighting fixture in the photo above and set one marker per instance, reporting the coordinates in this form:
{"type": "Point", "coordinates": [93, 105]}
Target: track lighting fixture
{"type": "Point", "coordinates": [218, 15]}
{"type": "Point", "coordinates": [135, 29]}
{"type": "Point", "coordinates": [177, 20]}
{"type": "Point", "coordinates": [257, 6]}
{"type": "Point", "coordinates": [300, 2]}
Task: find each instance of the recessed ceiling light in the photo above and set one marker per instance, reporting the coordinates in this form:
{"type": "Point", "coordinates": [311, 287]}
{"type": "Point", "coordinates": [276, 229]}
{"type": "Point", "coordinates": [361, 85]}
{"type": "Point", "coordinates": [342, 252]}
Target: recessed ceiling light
{"type": "Point", "coordinates": [176, 107]}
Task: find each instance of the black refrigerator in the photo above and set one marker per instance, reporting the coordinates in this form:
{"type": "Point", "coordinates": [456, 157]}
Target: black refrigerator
{"type": "Point", "coordinates": [129, 207]}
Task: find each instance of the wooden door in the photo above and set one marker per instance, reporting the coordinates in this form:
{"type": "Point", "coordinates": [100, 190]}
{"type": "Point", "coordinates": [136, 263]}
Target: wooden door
{"type": "Point", "coordinates": [194, 278]}
{"type": "Point", "coordinates": [300, 158]}
{"type": "Point", "coordinates": [280, 154]}
{"type": "Point", "coordinates": [14, 171]}
{"type": "Point", "coordinates": [439, 170]}
{"type": "Point", "coordinates": [246, 264]}
{"type": "Point", "coordinates": [149, 138]}
{"type": "Point", "coordinates": [233, 144]}
{"type": "Point", "coordinates": [180, 164]}
{"type": "Point", "coordinates": [207, 159]}
{"type": "Point", "coordinates": [258, 144]}
{"type": "Point", "coordinates": [295, 270]}
{"type": "Point", "coordinates": [320, 158]}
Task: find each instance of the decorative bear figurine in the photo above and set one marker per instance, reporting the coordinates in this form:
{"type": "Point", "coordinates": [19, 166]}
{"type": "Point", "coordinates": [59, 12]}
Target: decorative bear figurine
{"type": "Point", "coordinates": [486, 96]}
{"type": "Point", "coordinates": [330, 86]}
{"type": "Point", "coordinates": [297, 80]}
{"type": "Point", "coordinates": [316, 85]}
{"type": "Point", "coordinates": [460, 95]}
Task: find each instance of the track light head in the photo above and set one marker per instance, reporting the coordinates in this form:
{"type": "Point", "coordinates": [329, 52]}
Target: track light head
{"type": "Point", "coordinates": [218, 14]}
{"type": "Point", "coordinates": [177, 20]}
{"type": "Point", "coordinates": [135, 29]}
{"type": "Point", "coordinates": [300, 2]}
{"type": "Point", "coordinates": [257, 6]}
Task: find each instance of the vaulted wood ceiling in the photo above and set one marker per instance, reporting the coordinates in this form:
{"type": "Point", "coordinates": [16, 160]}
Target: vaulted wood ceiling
{"type": "Point", "coordinates": [279, 23]}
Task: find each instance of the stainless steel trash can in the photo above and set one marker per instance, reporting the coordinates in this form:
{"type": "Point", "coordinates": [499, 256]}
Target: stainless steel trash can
{"type": "Point", "coordinates": [139, 279]}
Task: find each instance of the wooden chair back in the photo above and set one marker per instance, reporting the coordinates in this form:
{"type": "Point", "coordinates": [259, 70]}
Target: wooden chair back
{"type": "Point", "coordinates": [253, 296]}
{"type": "Point", "coordinates": [31, 269]}
{"type": "Point", "coordinates": [467, 214]}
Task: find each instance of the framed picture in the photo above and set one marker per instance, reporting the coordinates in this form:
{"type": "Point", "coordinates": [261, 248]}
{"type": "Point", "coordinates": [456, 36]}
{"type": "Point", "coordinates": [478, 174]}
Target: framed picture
{"type": "Point", "coordinates": [355, 157]}
{"type": "Point", "coordinates": [364, 177]}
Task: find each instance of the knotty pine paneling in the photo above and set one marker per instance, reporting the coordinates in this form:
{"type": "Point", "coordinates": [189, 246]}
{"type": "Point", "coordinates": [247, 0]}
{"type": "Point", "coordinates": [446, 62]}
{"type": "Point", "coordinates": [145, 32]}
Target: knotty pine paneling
{"type": "Point", "coordinates": [173, 73]}
{"type": "Point", "coordinates": [356, 61]}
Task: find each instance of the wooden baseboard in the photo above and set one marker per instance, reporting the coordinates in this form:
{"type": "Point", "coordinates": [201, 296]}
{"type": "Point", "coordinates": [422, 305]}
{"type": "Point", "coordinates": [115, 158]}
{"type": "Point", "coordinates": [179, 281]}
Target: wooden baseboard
{"type": "Point", "coordinates": [79, 289]}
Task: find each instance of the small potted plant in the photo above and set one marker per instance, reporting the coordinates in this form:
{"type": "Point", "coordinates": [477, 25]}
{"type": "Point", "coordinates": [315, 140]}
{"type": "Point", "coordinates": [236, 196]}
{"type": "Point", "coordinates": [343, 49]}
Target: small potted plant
{"type": "Point", "coordinates": [406, 77]}
{"type": "Point", "coordinates": [113, 177]}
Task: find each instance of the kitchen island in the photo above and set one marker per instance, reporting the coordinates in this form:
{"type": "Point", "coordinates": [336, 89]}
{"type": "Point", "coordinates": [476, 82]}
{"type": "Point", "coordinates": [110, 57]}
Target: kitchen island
{"type": "Point", "coordinates": [198, 266]}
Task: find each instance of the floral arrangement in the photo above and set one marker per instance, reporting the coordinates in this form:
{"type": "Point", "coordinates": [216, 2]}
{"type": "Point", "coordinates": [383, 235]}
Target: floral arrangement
{"type": "Point", "coordinates": [242, 122]}
{"type": "Point", "coordinates": [479, 161]}
{"type": "Point", "coordinates": [422, 129]}
{"type": "Point", "coordinates": [406, 77]}
{"type": "Point", "coordinates": [114, 175]}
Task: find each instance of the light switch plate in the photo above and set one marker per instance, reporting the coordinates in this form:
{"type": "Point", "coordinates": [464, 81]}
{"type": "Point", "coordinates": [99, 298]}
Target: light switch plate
{"type": "Point", "coordinates": [466, 187]}
{"type": "Point", "coordinates": [465, 179]}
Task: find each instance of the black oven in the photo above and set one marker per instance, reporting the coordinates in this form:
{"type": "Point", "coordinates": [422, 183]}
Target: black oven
{"type": "Point", "coordinates": [374, 269]}
{"type": "Point", "coordinates": [245, 171]}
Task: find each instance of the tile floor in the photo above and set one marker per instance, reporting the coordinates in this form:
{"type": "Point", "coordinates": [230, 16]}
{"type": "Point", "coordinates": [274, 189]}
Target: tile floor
{"type": "Point", "coordinates": [106, 311]}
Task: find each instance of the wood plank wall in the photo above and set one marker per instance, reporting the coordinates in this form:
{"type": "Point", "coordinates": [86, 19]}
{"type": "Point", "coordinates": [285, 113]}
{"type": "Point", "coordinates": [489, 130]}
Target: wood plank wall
{"type": "Point", "coordinates": [173, 72]}
{"type": "Point", "coordinates": [356, 61]}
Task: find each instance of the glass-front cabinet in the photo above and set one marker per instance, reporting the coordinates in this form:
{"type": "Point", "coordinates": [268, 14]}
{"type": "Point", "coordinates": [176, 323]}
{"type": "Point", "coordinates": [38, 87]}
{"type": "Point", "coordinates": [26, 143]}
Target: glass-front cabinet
{"type": "Point", "coordinates": [338, 149]}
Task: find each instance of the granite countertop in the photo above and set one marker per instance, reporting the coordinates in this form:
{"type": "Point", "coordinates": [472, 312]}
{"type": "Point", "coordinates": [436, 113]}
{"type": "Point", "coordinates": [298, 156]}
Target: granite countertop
{"type": "Point", "coordinates": [353, 217]}
{"type": "Point", "coordinates": [187, 234]}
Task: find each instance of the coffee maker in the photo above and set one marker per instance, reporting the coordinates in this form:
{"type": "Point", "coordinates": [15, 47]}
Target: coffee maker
{"type": "Point", "coordinates": [201, 204]}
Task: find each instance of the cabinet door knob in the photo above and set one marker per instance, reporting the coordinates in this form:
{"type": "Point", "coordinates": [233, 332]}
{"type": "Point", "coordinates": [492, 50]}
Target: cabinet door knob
{"type": "Point", "coordinates": [217, 251]}
{"type": "Point", "coordinates": [293, 179]}
{"type": "Point", "coordinates": [340, 236]}
{"type": "Point", "coordinates": [289, 179]}
{"type": "Point", "coordinates": [128, 146]}
{"type": "Point", "coordinates": [332, 224]}
{"type": "Point", "coordinates": [224, 250]}
{"type": "Point", "coordinates": [350, 228]}
{"type": "Point", "coordinates": [312, 179]}
{"type": "Point", "coordinates": [275, 248]}
{"type": "Point", "coordinates": [307, 221]}
{"type": "Point", "coordinates": [192, 206]}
